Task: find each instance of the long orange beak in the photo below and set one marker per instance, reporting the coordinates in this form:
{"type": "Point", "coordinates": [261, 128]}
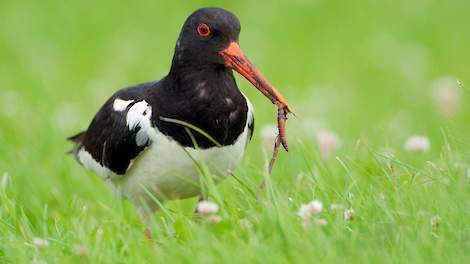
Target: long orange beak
{"type": "Point", "coordinates": [235, 59]}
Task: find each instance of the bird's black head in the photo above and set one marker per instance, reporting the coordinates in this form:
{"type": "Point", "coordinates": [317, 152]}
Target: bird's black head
{"type": "Point", "coordinates": [205, 33]}
{"type": "Point", "coordinates": [209, 42]}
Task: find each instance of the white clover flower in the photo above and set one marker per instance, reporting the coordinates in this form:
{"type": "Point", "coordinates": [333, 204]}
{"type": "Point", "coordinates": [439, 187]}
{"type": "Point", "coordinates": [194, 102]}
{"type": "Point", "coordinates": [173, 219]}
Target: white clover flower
{"type": "Point", "coordinates": [316, 206]}
{"type": "Point", "coordinates": [304, 211]}
{"type": "Point", "coordinates": [446, 95]}
{"type": "Point", "coordinates": [349, 214]}
{"type": "Point", "coordinates": [307, 211]}
{"type": "Point", "coordinates": [208, 211]}
{"type": "Point", "coordinates": [417, 143]}
{"type": "Point", "coordinates": [40, 242]}
{"type": "Point", "coordinates": [207, 208]}
{"type": "Point", "coordinates": [327, 142]}
{"type": "Point", "coordinates": [268, 136]}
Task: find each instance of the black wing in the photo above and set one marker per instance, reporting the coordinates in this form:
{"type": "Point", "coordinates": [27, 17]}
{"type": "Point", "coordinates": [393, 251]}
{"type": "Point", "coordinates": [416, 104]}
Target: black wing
{"type": "Point", "coordinates": [115, 137]}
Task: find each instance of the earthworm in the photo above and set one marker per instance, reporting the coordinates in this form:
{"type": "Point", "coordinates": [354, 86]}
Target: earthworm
{"type": "Point", "coordinates": [281, 123]}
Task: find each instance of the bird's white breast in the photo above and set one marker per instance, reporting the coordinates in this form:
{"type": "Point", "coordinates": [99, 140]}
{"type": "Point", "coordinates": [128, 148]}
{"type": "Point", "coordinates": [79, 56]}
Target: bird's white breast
{"type": "Point", "coordinates": [168, 171]}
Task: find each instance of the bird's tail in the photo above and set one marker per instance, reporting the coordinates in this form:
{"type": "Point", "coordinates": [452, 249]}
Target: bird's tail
{"type": "Point", "coordinates": [77, 139]}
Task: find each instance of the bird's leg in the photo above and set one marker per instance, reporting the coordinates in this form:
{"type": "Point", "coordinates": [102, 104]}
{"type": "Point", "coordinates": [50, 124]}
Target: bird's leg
{"type": "Point", "coordinates": [145, 216]}
{"type": "Point", "coordinates": [148, 234]}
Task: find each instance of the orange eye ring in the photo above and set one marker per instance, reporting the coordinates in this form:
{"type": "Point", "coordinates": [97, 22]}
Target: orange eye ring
{"type": "Point", "coordinates": [203, 30]}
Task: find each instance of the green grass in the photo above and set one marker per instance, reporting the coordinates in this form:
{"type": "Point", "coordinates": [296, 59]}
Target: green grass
{"type": "Point", "coordinates": [361, 68]}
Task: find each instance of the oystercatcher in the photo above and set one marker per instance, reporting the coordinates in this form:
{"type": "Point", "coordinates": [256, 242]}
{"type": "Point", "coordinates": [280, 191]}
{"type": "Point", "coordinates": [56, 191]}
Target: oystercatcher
{"type": "Point", "coordinates": [144, 139]}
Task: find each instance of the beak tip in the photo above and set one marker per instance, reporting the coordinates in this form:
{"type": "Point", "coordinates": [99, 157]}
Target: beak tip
{"type": "Point", "coordinates": [286, 147]}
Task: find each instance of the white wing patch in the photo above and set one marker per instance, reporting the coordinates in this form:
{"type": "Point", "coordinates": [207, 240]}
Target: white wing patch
{"type": "Point", "coordinates": [139, 115]}
{"type": "Point", "coordinates": [121, 105]}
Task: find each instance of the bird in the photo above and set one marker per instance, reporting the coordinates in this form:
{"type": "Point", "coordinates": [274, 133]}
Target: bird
{"type": "Point", "coordinates": [145, 140]}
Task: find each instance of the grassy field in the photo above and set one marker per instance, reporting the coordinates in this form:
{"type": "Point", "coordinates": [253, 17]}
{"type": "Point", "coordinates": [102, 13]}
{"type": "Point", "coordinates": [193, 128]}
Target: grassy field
{"type": "Point", "coordinates": [365, 70]}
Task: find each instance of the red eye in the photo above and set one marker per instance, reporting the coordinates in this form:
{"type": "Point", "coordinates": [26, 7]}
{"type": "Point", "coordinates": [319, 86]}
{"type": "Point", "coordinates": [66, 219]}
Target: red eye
{"type": "Point", "coordinates": [203, 30]}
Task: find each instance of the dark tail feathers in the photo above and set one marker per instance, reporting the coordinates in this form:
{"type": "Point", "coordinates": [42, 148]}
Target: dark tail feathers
{"type": "Point", "coordinates": [77, 139]}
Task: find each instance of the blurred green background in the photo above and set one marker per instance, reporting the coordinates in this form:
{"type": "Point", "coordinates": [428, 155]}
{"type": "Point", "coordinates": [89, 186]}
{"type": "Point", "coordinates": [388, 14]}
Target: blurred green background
{"type": "Point", "coordinates": [367, 70]}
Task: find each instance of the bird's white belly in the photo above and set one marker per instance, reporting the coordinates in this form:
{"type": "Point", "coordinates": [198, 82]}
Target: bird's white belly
{"type": "Point", "coordinates": [168, 171]}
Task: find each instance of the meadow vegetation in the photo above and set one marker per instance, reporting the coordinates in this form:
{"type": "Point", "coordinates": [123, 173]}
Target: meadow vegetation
{"type": "Point", "coordinates": [378, 169]}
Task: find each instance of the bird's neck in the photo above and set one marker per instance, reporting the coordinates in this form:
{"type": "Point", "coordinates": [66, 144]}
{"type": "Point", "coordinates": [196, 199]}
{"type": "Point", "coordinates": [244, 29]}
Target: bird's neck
{"type": "Point", "coordinates": [203, 82]}
{"type": "Point", "coordinates": [205, 97]}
